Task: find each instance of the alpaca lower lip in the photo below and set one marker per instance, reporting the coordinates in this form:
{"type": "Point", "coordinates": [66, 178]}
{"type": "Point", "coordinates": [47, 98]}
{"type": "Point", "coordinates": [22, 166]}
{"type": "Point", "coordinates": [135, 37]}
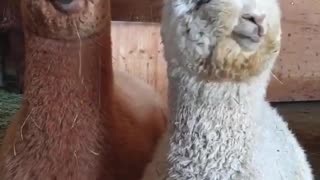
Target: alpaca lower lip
{"type": "Point", "coordinates": [253, 38]}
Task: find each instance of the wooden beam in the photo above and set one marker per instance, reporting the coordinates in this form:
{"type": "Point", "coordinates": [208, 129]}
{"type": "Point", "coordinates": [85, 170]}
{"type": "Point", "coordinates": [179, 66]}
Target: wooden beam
{"type": "Point", "coordinates": [136, 10]}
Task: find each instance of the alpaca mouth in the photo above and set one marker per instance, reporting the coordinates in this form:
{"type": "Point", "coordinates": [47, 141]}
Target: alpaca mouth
{"type": "Point", "coordinates": [248, 40]}
{"type": "Point", "coordinates": [249, 29]}
{"type": "Point", "coordinates": [254, 38]}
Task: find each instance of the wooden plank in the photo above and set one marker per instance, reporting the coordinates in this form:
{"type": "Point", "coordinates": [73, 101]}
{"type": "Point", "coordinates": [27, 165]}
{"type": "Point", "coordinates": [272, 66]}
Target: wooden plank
{"type": "Point", "coordinates": [136, 10]}
{"type": "Point", "coordinates": [137, 49]}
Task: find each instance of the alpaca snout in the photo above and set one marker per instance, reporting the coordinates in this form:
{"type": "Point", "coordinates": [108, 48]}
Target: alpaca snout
{"type": "Point", "coordinates": [250, 30]}
{"type": "Point", "coordinates": [69, 6]}
{"type": "Point", "coordinates": [201, 2]}
{"type": "Point", "coordinates": [258, 20]}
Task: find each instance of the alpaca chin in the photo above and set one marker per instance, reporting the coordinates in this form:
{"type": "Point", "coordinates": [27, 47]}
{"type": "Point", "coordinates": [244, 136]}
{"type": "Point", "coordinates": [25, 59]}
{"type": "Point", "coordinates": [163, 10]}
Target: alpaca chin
{"type": "Point", "coordinates": [232, 62]}
{"type": "Point", "coordinates": [47, 21]}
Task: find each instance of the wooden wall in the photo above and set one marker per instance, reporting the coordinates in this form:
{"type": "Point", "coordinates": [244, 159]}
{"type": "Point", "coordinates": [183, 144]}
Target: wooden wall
{"type": "Point", "coordinates": [137, 47]}
{"type": "Point", "coordinates": [136, 10]}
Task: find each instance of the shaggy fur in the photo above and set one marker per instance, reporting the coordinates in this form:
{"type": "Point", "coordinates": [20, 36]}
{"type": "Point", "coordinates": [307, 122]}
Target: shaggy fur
{"type": "Point", "coordinates": [78, 120]}
{"type": "Point", "coordinates": [221, 126]}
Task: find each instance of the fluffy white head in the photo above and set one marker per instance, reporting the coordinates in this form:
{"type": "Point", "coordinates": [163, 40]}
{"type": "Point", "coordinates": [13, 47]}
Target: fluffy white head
{"type": "Point", "coordinates": [221, 39]}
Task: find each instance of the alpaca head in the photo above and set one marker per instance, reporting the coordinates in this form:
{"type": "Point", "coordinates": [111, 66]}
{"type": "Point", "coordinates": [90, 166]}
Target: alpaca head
{"type": "Point", "coordinates": [65, 19]}
{"type": "Point", "coordinates": [231, 40]}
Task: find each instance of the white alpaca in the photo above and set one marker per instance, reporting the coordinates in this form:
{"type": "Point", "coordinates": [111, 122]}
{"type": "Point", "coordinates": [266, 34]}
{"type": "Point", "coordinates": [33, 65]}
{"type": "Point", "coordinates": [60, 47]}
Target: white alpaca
{"type": "Point", "coordinates": [220, 54]}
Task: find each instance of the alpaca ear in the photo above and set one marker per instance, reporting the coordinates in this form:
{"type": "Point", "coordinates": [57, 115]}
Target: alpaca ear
{"type": "Point", "coordinates": [69, 6]}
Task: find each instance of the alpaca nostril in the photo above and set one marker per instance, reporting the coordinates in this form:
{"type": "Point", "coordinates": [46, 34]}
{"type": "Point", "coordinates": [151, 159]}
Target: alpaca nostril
{"type": "Point", "coordinates": [65, 1]}
{"type": "Point", "coordinates": [256, 19]}
{"type": "Point", "coordinates": [201, 2]}
{"type": "Point", "coordinates": [69, 6]}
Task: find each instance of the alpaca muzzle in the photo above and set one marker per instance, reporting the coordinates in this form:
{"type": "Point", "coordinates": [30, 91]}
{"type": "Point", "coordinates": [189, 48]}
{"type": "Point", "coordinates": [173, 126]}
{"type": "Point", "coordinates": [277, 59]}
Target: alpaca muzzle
{"type": "Point", "coordinates": [250, 27]}
{"type": "Point", "coordinates": [250, 31]}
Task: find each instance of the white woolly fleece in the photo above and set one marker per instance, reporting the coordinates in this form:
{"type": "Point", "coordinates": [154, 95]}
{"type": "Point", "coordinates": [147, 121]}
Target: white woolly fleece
{"type": "Point", "coordinates": [221, 130]}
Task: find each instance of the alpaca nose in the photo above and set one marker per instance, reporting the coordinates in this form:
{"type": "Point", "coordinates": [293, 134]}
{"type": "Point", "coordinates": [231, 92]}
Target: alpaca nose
{"type": "Point", "coordinates": [201, 2]}
{"type": "Point", "coordinates": [69, 6]}
{"type": "Point", "coordinates": [257, 20]}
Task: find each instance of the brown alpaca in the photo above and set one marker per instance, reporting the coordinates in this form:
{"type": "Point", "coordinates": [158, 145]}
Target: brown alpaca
{"type": "Point", "coordinates": [79, 120]}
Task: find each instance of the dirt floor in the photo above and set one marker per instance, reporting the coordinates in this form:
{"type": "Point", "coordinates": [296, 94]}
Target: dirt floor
{"type": "Point", "coordinates": [303, 119]}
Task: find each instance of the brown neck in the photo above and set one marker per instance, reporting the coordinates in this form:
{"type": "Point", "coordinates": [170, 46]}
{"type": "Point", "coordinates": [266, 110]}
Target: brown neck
{"type": "Point", "coordinates": [68, 89]}
{"type": "Point", "coordinates": [65, 78]}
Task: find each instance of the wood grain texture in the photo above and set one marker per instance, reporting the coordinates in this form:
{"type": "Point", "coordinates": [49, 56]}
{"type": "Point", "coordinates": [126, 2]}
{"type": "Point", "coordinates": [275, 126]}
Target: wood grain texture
{"type": "Point", "coordinates": [136, 10]}
{"type": "Point", "coordinates": [138, 50]}
{"type": "Point", "coordinates": [299, 64]}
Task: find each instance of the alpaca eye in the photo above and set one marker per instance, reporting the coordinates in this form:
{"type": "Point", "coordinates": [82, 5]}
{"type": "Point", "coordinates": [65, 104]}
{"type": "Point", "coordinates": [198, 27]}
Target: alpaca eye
{"type": "Point", "coordinates": [201, 2]}
{"type": "Point", "coordinates": [69, 6]}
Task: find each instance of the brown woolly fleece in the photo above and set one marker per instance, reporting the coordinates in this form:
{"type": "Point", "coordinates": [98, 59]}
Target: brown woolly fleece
{"type": "Point", "coordinates": [79, 120]}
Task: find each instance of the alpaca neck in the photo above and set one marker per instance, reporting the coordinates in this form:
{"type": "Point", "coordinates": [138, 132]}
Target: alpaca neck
{"type": "Point", "coordinates": [65, 80]}
{"type": "Point", "coordinates": [213, 123]}
{"type": "Point", "coordinates": [63, 127]}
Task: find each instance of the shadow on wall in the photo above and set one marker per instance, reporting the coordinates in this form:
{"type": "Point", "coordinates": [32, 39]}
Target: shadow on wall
{"type": "Point", "coordinates": [11, 47]}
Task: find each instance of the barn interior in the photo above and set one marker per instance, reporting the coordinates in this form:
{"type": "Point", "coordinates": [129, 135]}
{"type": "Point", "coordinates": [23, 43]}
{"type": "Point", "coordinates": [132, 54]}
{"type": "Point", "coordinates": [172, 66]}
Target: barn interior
{"type": "Point", "coordinates": [294, 89]}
